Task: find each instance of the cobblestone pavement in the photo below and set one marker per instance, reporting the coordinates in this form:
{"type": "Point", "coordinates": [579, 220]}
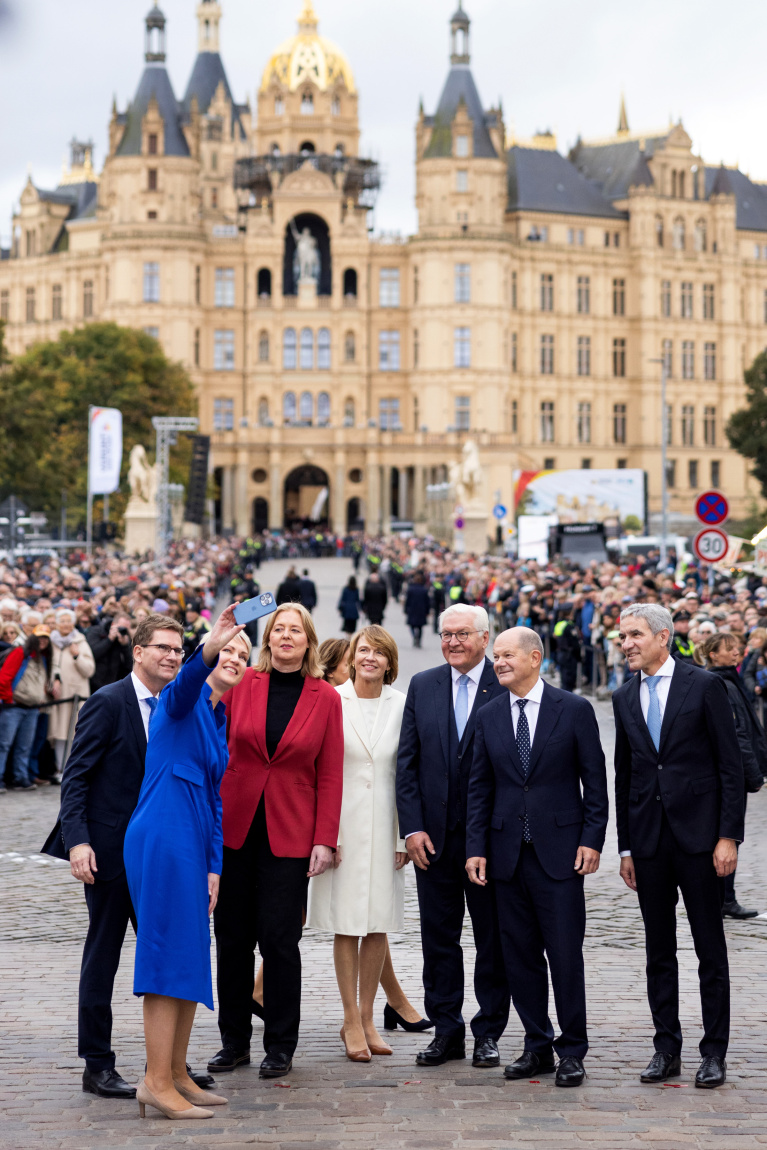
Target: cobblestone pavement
{"type": "Point", "coordinates": [328, 1102]}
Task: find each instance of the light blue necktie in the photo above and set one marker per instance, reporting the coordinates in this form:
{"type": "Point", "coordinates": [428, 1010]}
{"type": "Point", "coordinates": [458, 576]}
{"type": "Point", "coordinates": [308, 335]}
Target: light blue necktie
{"type": "Point", "coordinates": [462, 705]}
{"type": "Point", "coordinates": [151, 702]}
{"type": "Point", "coordinates": [653, 711]}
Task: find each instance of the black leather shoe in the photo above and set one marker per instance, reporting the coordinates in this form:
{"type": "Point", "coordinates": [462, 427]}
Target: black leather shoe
{"type": "Point", "coordinates": [275, 1065]}
{"type": "Point", "coordinates": [661, 1067]}
{"type": "Point", "coordinates": [107, 1084]}
{"type": "Point", "coordinates": [441, 1049]}
{"type": "Point", "coordinates": [712, 1072]}
{"type": "Point", "coordinates": [204, 1081]}
{"type": "Point", "coordinates": [570, 1072]}
{"type": "Point", "coordinates": [257, 1009]}
{"type": "Point", "coordinates": [486, 1052]}
{"type": "Point", "coordinates": [528, 1065]}
{"type": "Point", "coordinates": [228, 1059]}
{"type": "Point", "coordinates": [735, 910]}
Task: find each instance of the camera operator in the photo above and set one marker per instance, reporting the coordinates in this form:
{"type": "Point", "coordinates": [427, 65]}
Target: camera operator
{"type": "Point", "coordinates": [110, 642]}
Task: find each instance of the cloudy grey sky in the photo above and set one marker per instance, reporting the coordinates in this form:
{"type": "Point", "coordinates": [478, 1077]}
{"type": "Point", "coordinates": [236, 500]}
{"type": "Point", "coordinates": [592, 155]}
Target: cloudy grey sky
{"type": "Point", "coordinates": [554, 63]}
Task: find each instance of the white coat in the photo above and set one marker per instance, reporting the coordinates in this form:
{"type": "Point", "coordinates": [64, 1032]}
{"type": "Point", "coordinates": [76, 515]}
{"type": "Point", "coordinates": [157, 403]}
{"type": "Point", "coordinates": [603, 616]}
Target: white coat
{"type": "Point", "coordinates": [365, 894]}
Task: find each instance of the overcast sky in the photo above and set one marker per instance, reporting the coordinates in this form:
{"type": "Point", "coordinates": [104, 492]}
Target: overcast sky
{"type": "Point", "coordinates": [554, 63]}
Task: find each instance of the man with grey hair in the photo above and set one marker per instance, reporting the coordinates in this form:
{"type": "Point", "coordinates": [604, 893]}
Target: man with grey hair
{"type": "Point", "coordinates": [680, 813]}
{"type": "Point", "coordinates": [433, 767]}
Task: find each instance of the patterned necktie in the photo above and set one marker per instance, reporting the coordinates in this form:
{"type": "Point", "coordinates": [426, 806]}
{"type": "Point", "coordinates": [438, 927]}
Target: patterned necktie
{"type": "Point", "coordinates": [523, 750]}
{"type": "Point", "coordinates": [462, 705]}
{"type": "Point", "coordinates": [151, 702]}
{"type": "Point", "coordinates": [653, 711]}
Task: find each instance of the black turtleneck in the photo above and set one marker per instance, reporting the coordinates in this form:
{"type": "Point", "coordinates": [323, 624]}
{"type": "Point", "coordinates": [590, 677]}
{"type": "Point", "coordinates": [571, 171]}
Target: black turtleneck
{"type": "Point", "coordinates": [285, 689]}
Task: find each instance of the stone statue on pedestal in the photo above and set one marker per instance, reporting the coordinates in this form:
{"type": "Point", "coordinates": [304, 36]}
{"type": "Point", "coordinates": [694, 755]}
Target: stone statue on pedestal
{"type": "Point", "coordinates": [141, 512]}
{"type": "Point", "coordinates": [306, 263]}
{"type": "Point", "coordinates": [467, 478]}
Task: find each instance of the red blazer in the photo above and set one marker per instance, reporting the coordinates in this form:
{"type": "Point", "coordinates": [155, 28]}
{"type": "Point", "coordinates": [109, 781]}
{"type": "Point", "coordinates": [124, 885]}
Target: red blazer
{"type": "Point", "coordinates": [302, 785]}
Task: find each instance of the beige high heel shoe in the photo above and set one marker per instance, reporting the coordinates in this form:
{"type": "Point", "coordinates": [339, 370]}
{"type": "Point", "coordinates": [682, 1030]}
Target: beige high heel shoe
{"type": "Point", "coordinates": [146, 1098]}
{"type": "Point", "coordinates": [199, 1096]}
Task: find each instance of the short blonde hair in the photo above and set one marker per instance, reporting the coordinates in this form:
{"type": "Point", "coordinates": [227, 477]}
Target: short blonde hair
{"type": "Point", "coordinates": [311, 666]}
{"type": "Point", "coordinates": [380, 639]}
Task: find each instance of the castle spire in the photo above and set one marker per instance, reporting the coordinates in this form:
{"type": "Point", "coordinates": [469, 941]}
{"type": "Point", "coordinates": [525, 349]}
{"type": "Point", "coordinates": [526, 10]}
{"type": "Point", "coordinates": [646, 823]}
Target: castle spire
{"type": "Point", "coordinates": [208, 20]}
{"type": "Point", "coordinates": [307, 20]}
{"type": "Point", "coordinates": [623, 120]}
{"type": "Point", "coordinates": [459, 36]}
{"type": "Point", "coordinates": [154, 51]}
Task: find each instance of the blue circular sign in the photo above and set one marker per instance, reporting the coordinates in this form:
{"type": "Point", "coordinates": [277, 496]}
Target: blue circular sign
{"type": "Point", "coordinates": [499, 511]}
{"type": "Point", "coordinates": [712, 508]}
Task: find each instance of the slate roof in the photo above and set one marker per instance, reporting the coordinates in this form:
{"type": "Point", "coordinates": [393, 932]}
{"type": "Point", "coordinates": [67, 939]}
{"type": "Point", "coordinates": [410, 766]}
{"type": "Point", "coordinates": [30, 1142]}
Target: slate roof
{"type": "Point", "coordinates": [459, 84]}
{"type": "Point", "coordinates": [613, 167]}
{"type": "Point", "coordinates": [82, 198]}
{"type": "Point", "coordinates": [544, 181]}
{"type": "Point", "coordinates": [207, 74]}
{"type": "Point", "coordinates": [750, 198]}
{"type": "Point", "coordinates": [154, 82]}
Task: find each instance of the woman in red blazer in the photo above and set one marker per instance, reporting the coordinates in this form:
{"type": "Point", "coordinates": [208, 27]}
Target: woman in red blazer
{"type": "Point", "coordinates": [281, 797]}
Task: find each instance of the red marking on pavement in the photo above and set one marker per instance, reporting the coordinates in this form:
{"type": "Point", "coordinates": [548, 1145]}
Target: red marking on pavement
{"type": "Point", "coordinates": [676, 1085]}
{"type": "Point", "coordinates": [535, 1081]}
{"type": "Point", "coordinates": [412, 1082]}
{"type": "Point", "coordinates": [282, 1085]}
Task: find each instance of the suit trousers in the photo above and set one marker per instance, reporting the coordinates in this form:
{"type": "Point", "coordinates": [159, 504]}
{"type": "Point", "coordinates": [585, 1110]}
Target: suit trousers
{"type": "Point", "coordinates": [659, 880]}
{"type": "Point", "coordinates": [444, 893]}
{"type": "Point", "coordinates": [109, 912]}
{"type": "Point", "coordinates": [261, 903]}
{"type": "Point", "coordinates": [544, 918]}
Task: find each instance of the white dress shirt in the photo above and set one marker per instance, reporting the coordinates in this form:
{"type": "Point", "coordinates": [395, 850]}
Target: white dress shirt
{"type": "Point", "coordinates": [661, 690]}
{"type": "Point", "coordinates": [532, 708]}
{"type": "Point", "coordinates": [142, 694]}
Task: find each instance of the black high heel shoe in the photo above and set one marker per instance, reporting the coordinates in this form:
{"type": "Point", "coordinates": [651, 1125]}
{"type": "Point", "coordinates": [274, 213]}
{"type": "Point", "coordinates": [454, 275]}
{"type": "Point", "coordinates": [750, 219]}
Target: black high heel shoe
{"type": "Point", "coordinates": [392, 1020]}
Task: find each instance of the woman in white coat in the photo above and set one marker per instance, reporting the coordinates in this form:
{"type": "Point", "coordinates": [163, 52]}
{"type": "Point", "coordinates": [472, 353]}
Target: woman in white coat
{"type": "Point", "coordinates": [362, 898]}
{"type": "Point", "coordinates": [73, 664]}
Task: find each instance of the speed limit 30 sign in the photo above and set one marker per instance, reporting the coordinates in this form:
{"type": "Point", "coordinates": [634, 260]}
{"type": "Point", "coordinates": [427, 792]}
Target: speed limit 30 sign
{"type": "Point", "coordinates": [711, 544]}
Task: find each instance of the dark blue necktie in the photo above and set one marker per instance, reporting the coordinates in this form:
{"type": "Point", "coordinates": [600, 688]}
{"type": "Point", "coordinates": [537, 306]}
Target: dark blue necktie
{"type": "Point", "coordinates": [151, 702]}
{"type": "Point", "coordinates": [523, 750]}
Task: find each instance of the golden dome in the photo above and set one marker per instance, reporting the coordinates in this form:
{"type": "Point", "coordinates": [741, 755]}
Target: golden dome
{"type": "Point", "coordinates": [307, 56]}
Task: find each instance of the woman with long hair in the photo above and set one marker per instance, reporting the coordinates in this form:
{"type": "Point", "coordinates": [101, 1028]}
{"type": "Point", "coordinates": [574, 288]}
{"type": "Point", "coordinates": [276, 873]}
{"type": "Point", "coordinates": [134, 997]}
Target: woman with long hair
{"type": "Point", "coordinates": [281, 799]}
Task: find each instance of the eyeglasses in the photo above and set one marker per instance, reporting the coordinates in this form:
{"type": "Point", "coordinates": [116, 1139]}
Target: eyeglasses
{"type": "Point", "coordinates": [165, 650]}
{"type": "Point", "coordinates": [461, 636]}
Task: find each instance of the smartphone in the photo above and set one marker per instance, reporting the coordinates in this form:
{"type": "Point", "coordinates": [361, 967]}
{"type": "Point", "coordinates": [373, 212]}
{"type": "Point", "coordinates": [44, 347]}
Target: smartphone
{"type": "Point", "coordinates": [255, 608]}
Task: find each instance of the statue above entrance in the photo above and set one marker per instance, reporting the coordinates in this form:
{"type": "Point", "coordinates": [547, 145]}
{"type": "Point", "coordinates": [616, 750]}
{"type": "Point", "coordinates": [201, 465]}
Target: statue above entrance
{"type": "Point", "coordinates": [306, 261]}
{"type": "Point", "coordinates": [467, 478]}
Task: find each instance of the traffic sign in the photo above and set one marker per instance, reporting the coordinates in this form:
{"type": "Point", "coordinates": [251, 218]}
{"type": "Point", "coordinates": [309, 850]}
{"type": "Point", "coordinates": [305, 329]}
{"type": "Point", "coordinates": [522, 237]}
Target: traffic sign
{"type": "Point", "coordinates": [711, 544]}
{"type": "Point", "coordinates": [712, 508]}
{"type": "Point", "coordinates": [499, 511]}
{"type": "Point", "coordinates": [459, 524]}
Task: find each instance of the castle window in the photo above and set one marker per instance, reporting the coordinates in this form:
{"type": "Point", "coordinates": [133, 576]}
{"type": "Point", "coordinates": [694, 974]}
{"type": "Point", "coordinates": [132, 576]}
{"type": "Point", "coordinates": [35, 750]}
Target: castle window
{"type": "Point", "coordinates": [584, 355]}
{"type": "Point", "coordinates": [279, 106]}
{"type": "Point", "coordinates": [716, 472]}
{"type": "Point", "coordinates": [55, 303]}
{"type": "Point", "coordinates": [659, 231]}
{"type": "Point", "coordinates": [306, 407]}
{"type": "Point", "coordinates": [514, 417]}
{"type": "Point", "coordinates": [152, 180]}
{"type": "Point", "coordinates": [619, 423]}
{"type": "Point", "coordinates": [307, 104]}
{"type": "Point", "coordinates": [709, 361]}
{"type": "Point", "coordinates": [686, 301]}
{"type": "Point", "coordinates": [547, 422]}
{"type": "Point", "coordinates": [152, 143]}
{"type": "Point", "coordinates": [214, 161]}
{"type": "Point", "coordinates": [583, 298]}
{"type": "Point", "coordinates": [547, 292]}
{"type": "Point", "coordinates": [263, 347]}
{"type": "Point", "coordinates": [513, 351]}
{"type": "Point", "coordinates": [619, 297]}
{"type": "Point", "coordinates": [547, 355]}
{"type": "Point", "coordinates": [350, 347]}
{"type": "Point", "coordinates": [323, 409]}
{"type": "Point", "coordinates": [701, 242]}
{"type": "Point", "coordinates": [388, 415]}
{"type": "Point", "coordinates": [263, 411]}
{"type": "Point", "coordinates": [196, 347]}
{"type": "Point", "coordinates": [151, 283]}
{"type": "Point", "coordinates": [462, 283]}
{"type": "Point", "coordinates": [88, 299]}
{"type": "Point", "coordinates": [462, 180]}
{"type": "Point", "coordinates": [584, 423]}
{"type": "Point", "coordinates": [514, 291]}
{"type": "Point", "coordinates": [223, 415]}
{"type": "Point", "coordinates": [151, 215]}
{"type": "Point", "coordinates": [388, 287]}
{"type": "Point", "coordinates": [709, 426]}
{"type": "Point", "coordinates": [692, 473]}
{"type": "Point", "coordinates": [335, 106]}
{"type": "Point", "coordinates": [289, 407]}
{"type": "Point", "coordinates": [350, 283]}
{"type": "Point", "coordinates": [349, 416]}
{"type": "Point", "coordinates": [214, 198]}
{"type": "Point", "coordinates": [223, 350]}
{"type": "Point", "coordinates": [289, 349]}
{"type": "Point", "coordinates": [416, 347]}
{"type": "Point", "coordinates": [688, 425]}
{"type": "Point", "coordinates": [197, 283]}
{"type": "Point", "coordinates": [665, 299]}
{"type": "Point", "coordinates": [668, 357]}
{"type": "Point", "coordinates": [388, 351]}
{"type": "Point", "coordinates": [688, 359]}
{"type": "Point", "coordinates": [462, 347]}
{"type": "Point", "coordinates": [708, 301]}
{"type": "Point", "coordinates": [462, 412]}
{"type": "Point", "coordinates": [264, 283]}
{"type": "Point", "coordinates": [5, 304]}
{"type": "Point", "coordinates": [30, 305]}
{"type": "Point", "coordinates": [152, 331]}
{"type": "Point", "coordinates": [619, 358]}
{"type": "Point", "coordinates": [307, 148]}
{"type": "Point", "coordinates": [679, 234]}
{"type": "Point", "coordinates": [462, 147]}
{"type": "Point", "coordinates": [307, 349]}
{"type": "Point", "coordinates": [323, 349]}
{"type": "Point", "coordinates": [224, 289]}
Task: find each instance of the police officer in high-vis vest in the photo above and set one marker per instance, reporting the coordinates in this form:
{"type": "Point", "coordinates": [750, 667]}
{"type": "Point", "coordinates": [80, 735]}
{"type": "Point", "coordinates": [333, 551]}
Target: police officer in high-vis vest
{"type": "Point", "coordinates": [682, 647]}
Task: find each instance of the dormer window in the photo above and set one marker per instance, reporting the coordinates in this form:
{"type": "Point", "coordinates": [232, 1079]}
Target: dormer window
{"type": "Point", "coordinates": [307, 104]}
{"type": "Point", "coordinates": [462, 180]}
{"type": "Point", "coordinates": [462, 146]}
{"type": "Point", "coordinates": [152, 143]}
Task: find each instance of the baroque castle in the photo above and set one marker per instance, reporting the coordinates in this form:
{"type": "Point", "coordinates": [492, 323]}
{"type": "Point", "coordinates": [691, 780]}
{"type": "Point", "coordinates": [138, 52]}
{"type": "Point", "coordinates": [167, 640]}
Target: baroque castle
{"type": "Point", "coordinates": [340, 375]}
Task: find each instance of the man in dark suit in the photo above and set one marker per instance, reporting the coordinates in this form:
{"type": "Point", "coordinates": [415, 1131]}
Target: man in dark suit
{"type": "Point", "coordinates": [308, 591]}
{"type": "Point", "coordinates": [536, 833]}
{"type": "Point", "coordinates": [680, 812]}
{"type": "Point", "coordinates": [99, 792]}
{"type": "Point", "coordinates": [433, 766]}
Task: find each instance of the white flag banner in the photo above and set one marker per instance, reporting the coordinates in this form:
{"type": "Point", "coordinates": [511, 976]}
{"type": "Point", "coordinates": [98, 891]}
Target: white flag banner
{"type": "Point", "coordinates": [105, 450]}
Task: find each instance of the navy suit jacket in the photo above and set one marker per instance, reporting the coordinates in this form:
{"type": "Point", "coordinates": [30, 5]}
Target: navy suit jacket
{"type": "Point", "coordinates": [564, 794]}
{"type": "Point", "coordinates": [102, 778]}
{"type": "Point", "coordinates": [695, 776]}
{"type": "Point", "coordinates": [423, 759]}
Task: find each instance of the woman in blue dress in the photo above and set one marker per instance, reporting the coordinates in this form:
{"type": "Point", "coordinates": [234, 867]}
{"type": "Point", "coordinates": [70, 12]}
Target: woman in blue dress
{"type": "Point", "coordinates": [173, 853]}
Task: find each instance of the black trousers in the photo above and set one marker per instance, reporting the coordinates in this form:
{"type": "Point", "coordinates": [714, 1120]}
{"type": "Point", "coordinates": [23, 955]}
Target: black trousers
{"type": "Point", "coordinates": [659, 880]}
{"type": "Point", "coordinates": [109, 912]}
{"type": "Point", "coordinates": [444, 893]}
{"type": "Point", "coordinates": [544, 918]}
{"type": "Point", "coordinates": [261, 903]}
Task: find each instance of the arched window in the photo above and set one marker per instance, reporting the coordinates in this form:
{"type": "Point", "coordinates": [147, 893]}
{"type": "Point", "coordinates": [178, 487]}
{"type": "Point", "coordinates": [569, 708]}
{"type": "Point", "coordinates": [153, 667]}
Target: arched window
{"type": "Point", "coordinates": [263, 411]}
{"type": "Point", "coordinates": [279, 106]}
{"type": "Point", "coordinates": [323, 349]}
{"type": "Point", "coordinates": [701, 242]}
{"type": "Point", "coordinates": [289, 349]}
{"type": "Point", "coordinates": [679, 234]}
{"type": "Point", "coordinates": [307, 148]}
{"type": "Point", "coordinates": [349, 417]}
{"type": "Point", "coordinates": [323, 409]}
{"type": "Point", "coordinates": [306, 410]}
{"type": "Point", "coordinates": [275, 149]}
{"type": "Point", "coordinates": [307, 349]}
{"type": "Point", "coordinates": [335, 106]}
{"type": "Point", "coordinates": [264, 283]}
{"type": "Point", "coordinates": [263, 347]}
{"type": "Point", "coordinates": [350, 347]}
{"type": "Point", "coordinates": [307, 104]}
{"type": "Point", "coordinates": [659, 231]}
{"type": "Point", "coordinates": [289, 407]}
{"type": "Point", "coordinates": [350, 282]}
{"type": "Point", "coordinates": [339, 150]}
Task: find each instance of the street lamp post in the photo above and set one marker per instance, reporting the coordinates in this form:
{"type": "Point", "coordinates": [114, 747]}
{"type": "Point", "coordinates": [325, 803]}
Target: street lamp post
{"type": "Point", "coordinates": [663, 473]}
{"type": "Point", "coordinates": [167, 428]}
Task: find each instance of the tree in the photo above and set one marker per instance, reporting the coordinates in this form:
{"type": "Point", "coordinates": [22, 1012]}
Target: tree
{"type": "Point", "coordinates": [44, 399]}
{"type": "Point", "coordinates": [747, 428]}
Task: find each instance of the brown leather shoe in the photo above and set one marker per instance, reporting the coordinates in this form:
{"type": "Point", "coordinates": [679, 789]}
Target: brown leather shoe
{"type": "Point", "coordinates": [355, 1055]}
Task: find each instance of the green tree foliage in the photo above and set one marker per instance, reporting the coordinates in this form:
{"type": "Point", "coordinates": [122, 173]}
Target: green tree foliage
{"type": "Point", "coordinates": [747, 428]}
{"type": "Point", "coordinates": [44, 399]}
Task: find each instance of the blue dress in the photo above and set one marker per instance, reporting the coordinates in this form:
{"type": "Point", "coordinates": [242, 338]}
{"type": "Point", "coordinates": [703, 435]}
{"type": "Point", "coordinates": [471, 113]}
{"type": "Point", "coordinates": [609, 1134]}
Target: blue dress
{"type": "Point", "coordinates": [174, 839]}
